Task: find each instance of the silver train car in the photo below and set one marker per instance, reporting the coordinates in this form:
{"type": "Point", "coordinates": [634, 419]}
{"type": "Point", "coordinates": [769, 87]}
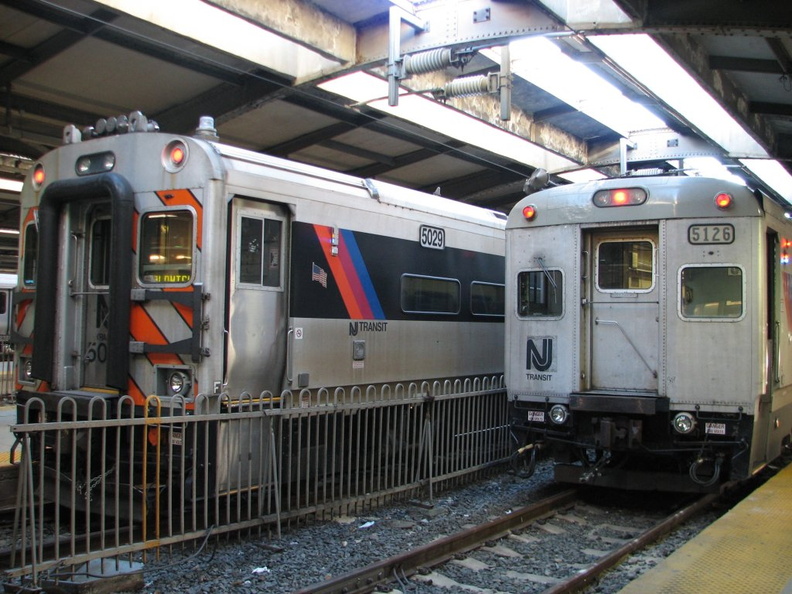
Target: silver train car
{"type": "Point", "coordinates": [157, 264]}
{"type": "Point", "coordinates": [648, 331]}
{"type": "Point", "coordinates": [8, 284]}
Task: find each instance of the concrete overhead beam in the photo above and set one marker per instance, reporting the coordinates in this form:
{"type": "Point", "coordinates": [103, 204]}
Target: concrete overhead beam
{"type": "Point", "coordinates": [301, 22]}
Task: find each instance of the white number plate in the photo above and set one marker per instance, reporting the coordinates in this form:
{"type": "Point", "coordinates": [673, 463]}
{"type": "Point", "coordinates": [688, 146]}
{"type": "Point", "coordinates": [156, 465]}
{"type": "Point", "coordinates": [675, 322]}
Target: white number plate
{"type": "Point", "coordinates": [715, 428]}
{"type": "Point", "coordinates": [536, 416]}
{"type": "Point", "coordinates": [709, 234]}
{"type": "Point", "coordinates": [432, 237]}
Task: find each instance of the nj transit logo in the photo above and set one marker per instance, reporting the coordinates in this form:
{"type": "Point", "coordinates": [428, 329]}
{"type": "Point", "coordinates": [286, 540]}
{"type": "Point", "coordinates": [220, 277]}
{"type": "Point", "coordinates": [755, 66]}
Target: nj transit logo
{"type": "Point", "coordinates": [539, 353]}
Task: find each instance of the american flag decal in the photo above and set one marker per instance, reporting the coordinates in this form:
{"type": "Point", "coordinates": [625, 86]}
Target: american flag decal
{"type": "Point", "coordinates": [318, 274]}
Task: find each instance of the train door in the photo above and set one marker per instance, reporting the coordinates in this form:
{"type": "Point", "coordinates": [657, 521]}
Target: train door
{"type": "Point", "coordinates": [258, 306]}
{"type": "Point", "coordinates": [623, 310]}
{"type": "Point", "coordinates": [762, 439]}
{"type": "Point", "coordinates": [92, 279]}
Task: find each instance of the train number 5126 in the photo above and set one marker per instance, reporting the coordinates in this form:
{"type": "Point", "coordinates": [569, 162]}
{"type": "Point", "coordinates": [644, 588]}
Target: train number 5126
{"type": "Point", "coordinates": [703, 234]}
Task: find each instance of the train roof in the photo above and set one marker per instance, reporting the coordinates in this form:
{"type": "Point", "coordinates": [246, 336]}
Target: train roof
{"type": "Point", "coordinates": [383, 192]}
{"type": "Point", "coordinates": [670, 197]}
{"type": "Point", "coordinates": [222, 158]}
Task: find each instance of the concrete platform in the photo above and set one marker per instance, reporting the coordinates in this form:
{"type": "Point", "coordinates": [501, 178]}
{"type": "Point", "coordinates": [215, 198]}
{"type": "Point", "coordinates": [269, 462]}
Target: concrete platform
{"type": "Point", "coordinates": [746, 551]}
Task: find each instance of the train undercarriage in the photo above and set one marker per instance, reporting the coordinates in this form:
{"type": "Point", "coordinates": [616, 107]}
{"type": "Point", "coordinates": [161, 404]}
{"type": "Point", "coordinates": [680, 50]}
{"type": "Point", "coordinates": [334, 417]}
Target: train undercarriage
{"type": "Point", "coordinates": [637, 452]}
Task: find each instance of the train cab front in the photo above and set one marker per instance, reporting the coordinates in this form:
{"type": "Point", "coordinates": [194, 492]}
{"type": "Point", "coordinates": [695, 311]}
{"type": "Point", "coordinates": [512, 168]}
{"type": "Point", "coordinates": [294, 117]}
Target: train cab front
{"type": "Point", "coordinates": [631, 441]}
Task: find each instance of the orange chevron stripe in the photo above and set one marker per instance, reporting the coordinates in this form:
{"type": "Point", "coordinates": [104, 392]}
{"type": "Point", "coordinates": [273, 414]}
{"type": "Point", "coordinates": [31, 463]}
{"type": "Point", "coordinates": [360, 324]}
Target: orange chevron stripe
{"type": "Point", "coordinates": [184, 311]}
{"type": "Point", "coordinates": [30, 215]}
{"type": "Point", "coordinates": [136, 393]}
{"type": "Point", "coordinates": [185, 198]}
{"type": "Point", "coordinates": [23, 305]}
{"type": "Point", "coordinates": [143, 329]}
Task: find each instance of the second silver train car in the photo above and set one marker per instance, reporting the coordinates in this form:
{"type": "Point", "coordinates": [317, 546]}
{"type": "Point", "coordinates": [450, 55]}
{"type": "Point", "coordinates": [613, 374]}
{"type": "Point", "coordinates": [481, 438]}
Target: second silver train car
{"type": "Point", "coordinates": [648, 331]}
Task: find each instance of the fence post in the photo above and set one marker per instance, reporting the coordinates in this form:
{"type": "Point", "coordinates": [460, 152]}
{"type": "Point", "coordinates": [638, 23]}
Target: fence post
{"type": "Point", "coordinates": [426, 444]}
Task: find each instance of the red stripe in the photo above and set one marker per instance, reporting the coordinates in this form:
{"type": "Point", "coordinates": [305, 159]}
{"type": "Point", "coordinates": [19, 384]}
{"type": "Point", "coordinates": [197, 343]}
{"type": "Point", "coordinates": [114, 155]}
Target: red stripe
{"type": "Point", "coordinates": [325, 235]}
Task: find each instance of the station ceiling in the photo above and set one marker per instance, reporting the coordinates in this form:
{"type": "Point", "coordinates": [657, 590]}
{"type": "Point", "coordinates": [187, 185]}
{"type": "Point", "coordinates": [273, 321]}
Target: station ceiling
{"type": "Point", "coordinates": [268, 71]}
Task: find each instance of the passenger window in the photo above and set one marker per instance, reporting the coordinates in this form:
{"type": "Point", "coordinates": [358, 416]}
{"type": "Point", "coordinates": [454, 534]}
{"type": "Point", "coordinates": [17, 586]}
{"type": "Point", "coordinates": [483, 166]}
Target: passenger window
{"type": "Point", "coordinates": [430, 295]}
{"type": "Point", "coordinates": [487, 299]}
{"type": "Point", "coordinates": [260, 252]}
{"type": "Point", "coordinates": [541, 293]}
{"type": "Point", "coordinates": [625, 266]}
{"type": "Point", "coordinates": [711, 292]}
{"type": "Point", "coordinates": [100, 253]}
{"type": "Point", "coordinates": [166, 247]}
{"type": "Point", "coordinates": [30, 256]}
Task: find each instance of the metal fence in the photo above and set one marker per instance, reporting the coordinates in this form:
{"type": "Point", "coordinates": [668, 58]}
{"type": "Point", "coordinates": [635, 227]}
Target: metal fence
{"type": "Point", "coordinates": [115, 486]}
{"type": "Point", "coordinates": [7, 375]}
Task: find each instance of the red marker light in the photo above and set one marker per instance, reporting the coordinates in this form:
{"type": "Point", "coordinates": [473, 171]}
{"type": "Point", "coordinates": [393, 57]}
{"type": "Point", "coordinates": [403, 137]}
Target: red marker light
{"type": "Point", "coordinates": [174, 156]}
{"type": "Point", "coordinates": [529, 212]}
{"type": "Point", "coordinates": [620, 197]}
{"type": "Point", "coordinates": [786, 243]}
{"type": "Point", "coordinates": [39, 175]}
{"type": "Point", "coordinates": [723, 200]}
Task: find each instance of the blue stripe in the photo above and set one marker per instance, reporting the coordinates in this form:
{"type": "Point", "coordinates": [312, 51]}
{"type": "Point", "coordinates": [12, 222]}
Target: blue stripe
{"type": "Point", "coordinates": [363, 275]}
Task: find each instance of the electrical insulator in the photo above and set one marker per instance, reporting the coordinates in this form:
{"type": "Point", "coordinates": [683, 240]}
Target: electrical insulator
{"type": "Point", "coordinates": [430, 61]}
{"type": "Point", "coordinates": [470, 85]}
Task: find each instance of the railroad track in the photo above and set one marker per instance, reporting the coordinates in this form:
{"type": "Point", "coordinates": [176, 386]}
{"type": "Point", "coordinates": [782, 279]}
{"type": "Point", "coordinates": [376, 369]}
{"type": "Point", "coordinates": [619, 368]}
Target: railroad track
{"type": "Point", "coordinates": [510, 539]}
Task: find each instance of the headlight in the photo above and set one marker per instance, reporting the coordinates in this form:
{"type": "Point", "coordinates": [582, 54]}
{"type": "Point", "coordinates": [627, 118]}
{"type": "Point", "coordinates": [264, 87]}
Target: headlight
{"type": "Point", "coordinates": [27, 370]}
{"type": "Point", "coordinates": [178, 383]}
{"type": "Point", "coordinates": [684, 423]}
{"type": "Point", "coordinates": [559, 414]}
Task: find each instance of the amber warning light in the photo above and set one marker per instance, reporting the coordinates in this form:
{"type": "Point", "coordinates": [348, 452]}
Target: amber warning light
{"type": "Point", "coordinates": [620, 197]}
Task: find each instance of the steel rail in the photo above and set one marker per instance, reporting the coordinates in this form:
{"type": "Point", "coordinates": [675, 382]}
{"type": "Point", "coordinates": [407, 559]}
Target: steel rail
{"type": "Point", "coordinates": [406, 564]}
{"type": "Point", "coordinates": [587, 576]}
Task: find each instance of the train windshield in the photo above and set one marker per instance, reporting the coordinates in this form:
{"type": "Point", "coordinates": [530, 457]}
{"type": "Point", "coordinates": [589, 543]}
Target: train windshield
{"type": "Point", "coordinates": [541, 293]}
{"type": "Point", "coordinates": [711, 292]}
{"type": "Point", "coordinates": [625, 266]}
{"type": "Point", "coordinates": [166, 247]}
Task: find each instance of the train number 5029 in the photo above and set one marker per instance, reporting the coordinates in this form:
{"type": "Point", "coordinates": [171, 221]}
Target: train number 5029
{"type": "Point", "coordinates": [432, 237]}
